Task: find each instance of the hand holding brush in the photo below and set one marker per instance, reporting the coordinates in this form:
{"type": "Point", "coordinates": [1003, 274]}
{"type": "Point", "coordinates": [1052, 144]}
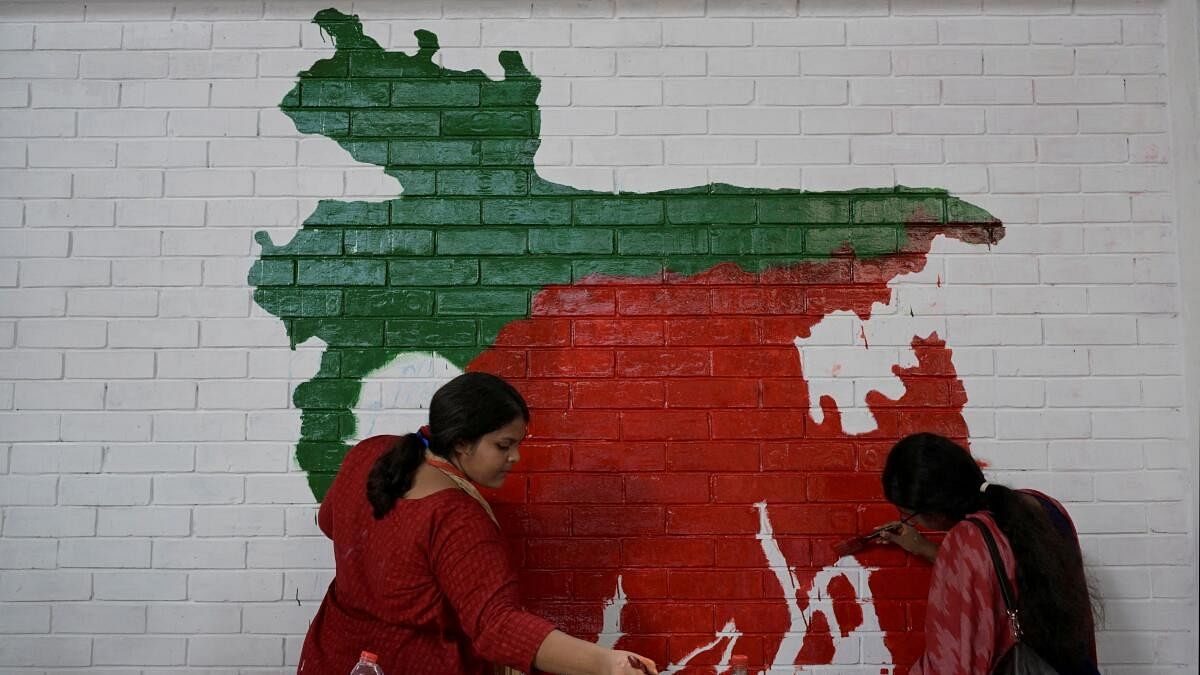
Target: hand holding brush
{"type": "Point", "coordinates": [855, 544]}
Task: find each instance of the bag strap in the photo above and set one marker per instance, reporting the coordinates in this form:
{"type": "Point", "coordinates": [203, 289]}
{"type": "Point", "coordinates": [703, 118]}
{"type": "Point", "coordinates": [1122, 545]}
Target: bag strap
{"type": "Point", "coordinates": [1010, 607]}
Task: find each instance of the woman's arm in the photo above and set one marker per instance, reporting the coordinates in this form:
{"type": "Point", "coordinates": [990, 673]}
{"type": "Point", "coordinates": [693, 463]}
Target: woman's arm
{"type": "Point", "coordinates": [560, 653]}
{"type": "Point", "coordinates": [962, 635]}
{"type": "Point", "coordinates": [471, 565]}
{"type": "Point", "coordinates": [908, 538]}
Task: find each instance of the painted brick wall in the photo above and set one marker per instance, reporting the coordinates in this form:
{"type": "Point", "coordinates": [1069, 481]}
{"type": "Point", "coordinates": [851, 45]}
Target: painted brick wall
{"type": "Point", "coordinates": [714, 376]}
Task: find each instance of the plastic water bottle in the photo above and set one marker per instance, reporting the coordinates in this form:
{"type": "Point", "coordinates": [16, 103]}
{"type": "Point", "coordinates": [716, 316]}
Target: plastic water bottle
{"type": "Point", "coordinates": [739, 664]}
{"type": "Point", "coordinates": [367, 665]}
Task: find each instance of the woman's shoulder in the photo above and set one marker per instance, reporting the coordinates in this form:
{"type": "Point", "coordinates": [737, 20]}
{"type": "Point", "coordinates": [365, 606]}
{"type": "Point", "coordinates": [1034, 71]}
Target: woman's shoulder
{"type": "Point", "coordinates": [966, 533]}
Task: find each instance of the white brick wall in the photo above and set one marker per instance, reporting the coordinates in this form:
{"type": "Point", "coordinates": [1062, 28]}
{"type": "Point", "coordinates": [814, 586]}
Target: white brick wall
{"type": "Point", "coordinates": [151, 516]}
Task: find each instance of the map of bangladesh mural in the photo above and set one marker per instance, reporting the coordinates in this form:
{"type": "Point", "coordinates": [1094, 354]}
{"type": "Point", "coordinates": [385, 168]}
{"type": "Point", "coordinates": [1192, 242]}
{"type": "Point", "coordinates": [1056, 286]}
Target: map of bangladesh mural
{"type": "Point", "coordinates": [681, 488]}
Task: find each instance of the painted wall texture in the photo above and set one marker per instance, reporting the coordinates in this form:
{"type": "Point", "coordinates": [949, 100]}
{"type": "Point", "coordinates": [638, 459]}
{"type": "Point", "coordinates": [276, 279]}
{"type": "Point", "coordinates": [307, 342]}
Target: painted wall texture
{"type": "Point", "coordinates": [729, 252]}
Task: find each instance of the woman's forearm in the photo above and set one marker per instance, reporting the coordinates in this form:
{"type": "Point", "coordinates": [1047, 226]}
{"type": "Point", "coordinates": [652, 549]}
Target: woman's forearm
{"type": "Point", "coordinates": [562, 654]}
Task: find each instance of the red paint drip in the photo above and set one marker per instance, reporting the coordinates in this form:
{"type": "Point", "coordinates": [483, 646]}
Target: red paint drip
{"type": "Point", "coordinates": [939, 280]}
{"type": "Point", "coordinates": [862, 333]}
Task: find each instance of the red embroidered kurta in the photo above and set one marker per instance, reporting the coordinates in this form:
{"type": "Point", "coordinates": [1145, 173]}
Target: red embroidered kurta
{"type": "Point", "coordinates": [429, 587]}
{"type": "Point", "coordinates": [966, 626]}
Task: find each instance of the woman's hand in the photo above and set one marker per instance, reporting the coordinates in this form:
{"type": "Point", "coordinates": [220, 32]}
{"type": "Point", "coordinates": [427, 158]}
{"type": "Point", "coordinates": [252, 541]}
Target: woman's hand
{"type": "Point", "coordinates": [566, 655]}
{"type": "Point", "coordinates": [908, 538]}
{"type": "Point", "coordinates": [624, 663]}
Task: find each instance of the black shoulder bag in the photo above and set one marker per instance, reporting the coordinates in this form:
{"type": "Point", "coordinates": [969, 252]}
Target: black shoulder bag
{"type": "Point", "coordinates": [1021, 659]}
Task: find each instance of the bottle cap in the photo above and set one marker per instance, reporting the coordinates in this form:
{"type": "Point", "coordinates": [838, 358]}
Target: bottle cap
{"type": "Point", "coordinates": [368, 656]}
{"type": "Point", "coordinates": [739, 660]}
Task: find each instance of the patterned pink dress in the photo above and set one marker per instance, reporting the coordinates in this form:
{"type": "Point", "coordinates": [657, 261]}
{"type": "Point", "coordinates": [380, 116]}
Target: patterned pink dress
{"type": "Point", "coordinates": [966, 626]}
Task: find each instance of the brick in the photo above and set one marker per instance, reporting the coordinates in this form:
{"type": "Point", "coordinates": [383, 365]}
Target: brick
{"type": "Point", "coordinates": [1083, 149]}
{"type": "Point", "coordinates": [1079, 90]}
{"type": "Point", "coordinates": [241, 586]}
{"type": "Point", "coordinates": [27, 183]}
{"type": "Point", "coordinates": [212, 122]}
{"type": "Point", "coordinates": [109, 365]}
{"type": "Point", "coordinates": [69, 213]}
{"type": "Point", "coordinates": [658, 62]}
{"type": "Point", "coordinates": [992, 91]}
{"type": "Point", "coordinates": [198, 554]}
{"type": "Point", "coordinates": [239, 521]}
{"type": "Point", "coordinates": [616, 151]}
{"type": "Point", "coordinates": [193, 618]}
{"type": "Point", "coordinates": [119, 553]}
{"type": "Point", "coordinates": [991, 30]}
{"type": "Point", "coordinates": [296, 552]}
{"type": "Point", "coordinates": [572, 553]}
{"type": "Point", "coordinates": [27, 426]}
{"type": "Point", "coordinates": [856, 121]}
{"type": "Point", "coordinates": [708, 92]}
{"type": "Point", "coordinates": [1029, 61]}
{"type": "Point", "coordinates": [940, 61]}
{"type": "Point", "coordinates": [144, 521]}
{"type": "Point", "coordinates": [74, 94]}
{"type": "Point", "coordinates": [867, 150]}
{"type": "Point", "coordinates": [59, 396]}
{"type": "Point", "coordinates": [25, 244]}
{"type": "Point", "coordinates": [172, 35]}
{"type": "Point", "coordinates": [40, 65]}
{"type": "Point", "coordinates": [158, 333]}
{"type": "Point", "coordinates": [72, 154]}
{"type": "Point", "coordinates": [45, 651]}
{"type": "Point", "coordinates": [892, 32]}
{"type": "Point", "coordinates": [689, 32]}
{"type": "Point", "coordinates": [140, 650]}
{"type": "Point", "coordinates": [16, 36]}
{"type": "Point", "coordinates": [28, 490]}
{"type": "Point", "coordinates": [55, 459]}
{"type": "Point", "coordinates": [140, 585]}
{"type": "Point", "coordinates": [1120, 60]}
{"type": "Point", "coordinates": [160, 154]}
{"type": "Point", "coordinates": [1076, 31]}
{"type": "Point", "coordinates": [1122, 119]}
{"type": "Point", "coordinates": [892, 91]}
{"type": "Point", "coordinates": [25, 618]}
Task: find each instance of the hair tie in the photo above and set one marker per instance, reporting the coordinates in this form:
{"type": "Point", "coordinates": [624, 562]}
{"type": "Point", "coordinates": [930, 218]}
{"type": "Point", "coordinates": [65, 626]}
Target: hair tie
{"type": "Point", "coordinates": [984, 486]}
{"type": "Point", "coordinates": [423, 434]}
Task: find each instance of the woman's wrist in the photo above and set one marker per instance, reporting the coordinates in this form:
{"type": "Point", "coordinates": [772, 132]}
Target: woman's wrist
{"type": "Point", "coordinates": [928, 550]}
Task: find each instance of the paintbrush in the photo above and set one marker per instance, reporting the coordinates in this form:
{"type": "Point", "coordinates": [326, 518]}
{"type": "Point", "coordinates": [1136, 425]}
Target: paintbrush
{"type": "Point", "coordinates": [855, 544]}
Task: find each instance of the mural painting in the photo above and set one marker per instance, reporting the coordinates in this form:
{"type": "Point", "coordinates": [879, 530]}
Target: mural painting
{"type": "Point", "coordinates": [682, 485]}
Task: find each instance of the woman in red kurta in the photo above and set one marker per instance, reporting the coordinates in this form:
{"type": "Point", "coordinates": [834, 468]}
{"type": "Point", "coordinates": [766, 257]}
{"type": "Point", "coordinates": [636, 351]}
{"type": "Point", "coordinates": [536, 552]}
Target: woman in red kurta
{"type": "Point", "coordinates": [935, 481]}
{"type": "Point", "coordinates": [422, 573]}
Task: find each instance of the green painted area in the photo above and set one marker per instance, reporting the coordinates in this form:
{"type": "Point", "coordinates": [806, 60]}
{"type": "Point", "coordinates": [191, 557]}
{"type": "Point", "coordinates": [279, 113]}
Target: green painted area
{"type": "Point", "coordinates": [477, 232]}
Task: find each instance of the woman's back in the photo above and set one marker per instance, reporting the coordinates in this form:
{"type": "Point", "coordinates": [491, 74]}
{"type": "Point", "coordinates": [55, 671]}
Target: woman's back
{"type": "Point", "coordinates": [412, 585]}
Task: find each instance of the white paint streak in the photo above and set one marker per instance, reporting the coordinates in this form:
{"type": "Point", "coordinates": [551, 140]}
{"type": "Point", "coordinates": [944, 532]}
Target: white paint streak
{"type": "Point", "coordinates": [793, 639]}
{"type": "Point", "coordinates": [729, 632]}
{"type": "Point", "coordinates": [611, 632]}
{"type": "Point", "coordinates": [835, 357]}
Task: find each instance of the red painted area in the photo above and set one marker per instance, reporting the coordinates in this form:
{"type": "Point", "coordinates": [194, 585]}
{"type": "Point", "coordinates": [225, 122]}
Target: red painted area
{"type": "Point", "coordinates": [662, 412]}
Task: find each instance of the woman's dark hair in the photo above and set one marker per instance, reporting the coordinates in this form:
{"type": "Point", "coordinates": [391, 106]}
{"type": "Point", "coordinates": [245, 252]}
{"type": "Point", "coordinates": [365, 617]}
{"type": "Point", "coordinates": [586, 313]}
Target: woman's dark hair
{"type": "Point", "coordinates": [461, 411]}
{"type": "Point", "coordinates": [932, 474]}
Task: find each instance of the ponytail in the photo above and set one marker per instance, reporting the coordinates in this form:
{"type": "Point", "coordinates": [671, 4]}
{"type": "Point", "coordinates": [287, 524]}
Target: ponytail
{"type": "Point", "coordinates": [1056, 608]}
{"type": "Point", "coordinates": [931, 474]}
{"type": "Point", "coordinates": [392, 474]}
